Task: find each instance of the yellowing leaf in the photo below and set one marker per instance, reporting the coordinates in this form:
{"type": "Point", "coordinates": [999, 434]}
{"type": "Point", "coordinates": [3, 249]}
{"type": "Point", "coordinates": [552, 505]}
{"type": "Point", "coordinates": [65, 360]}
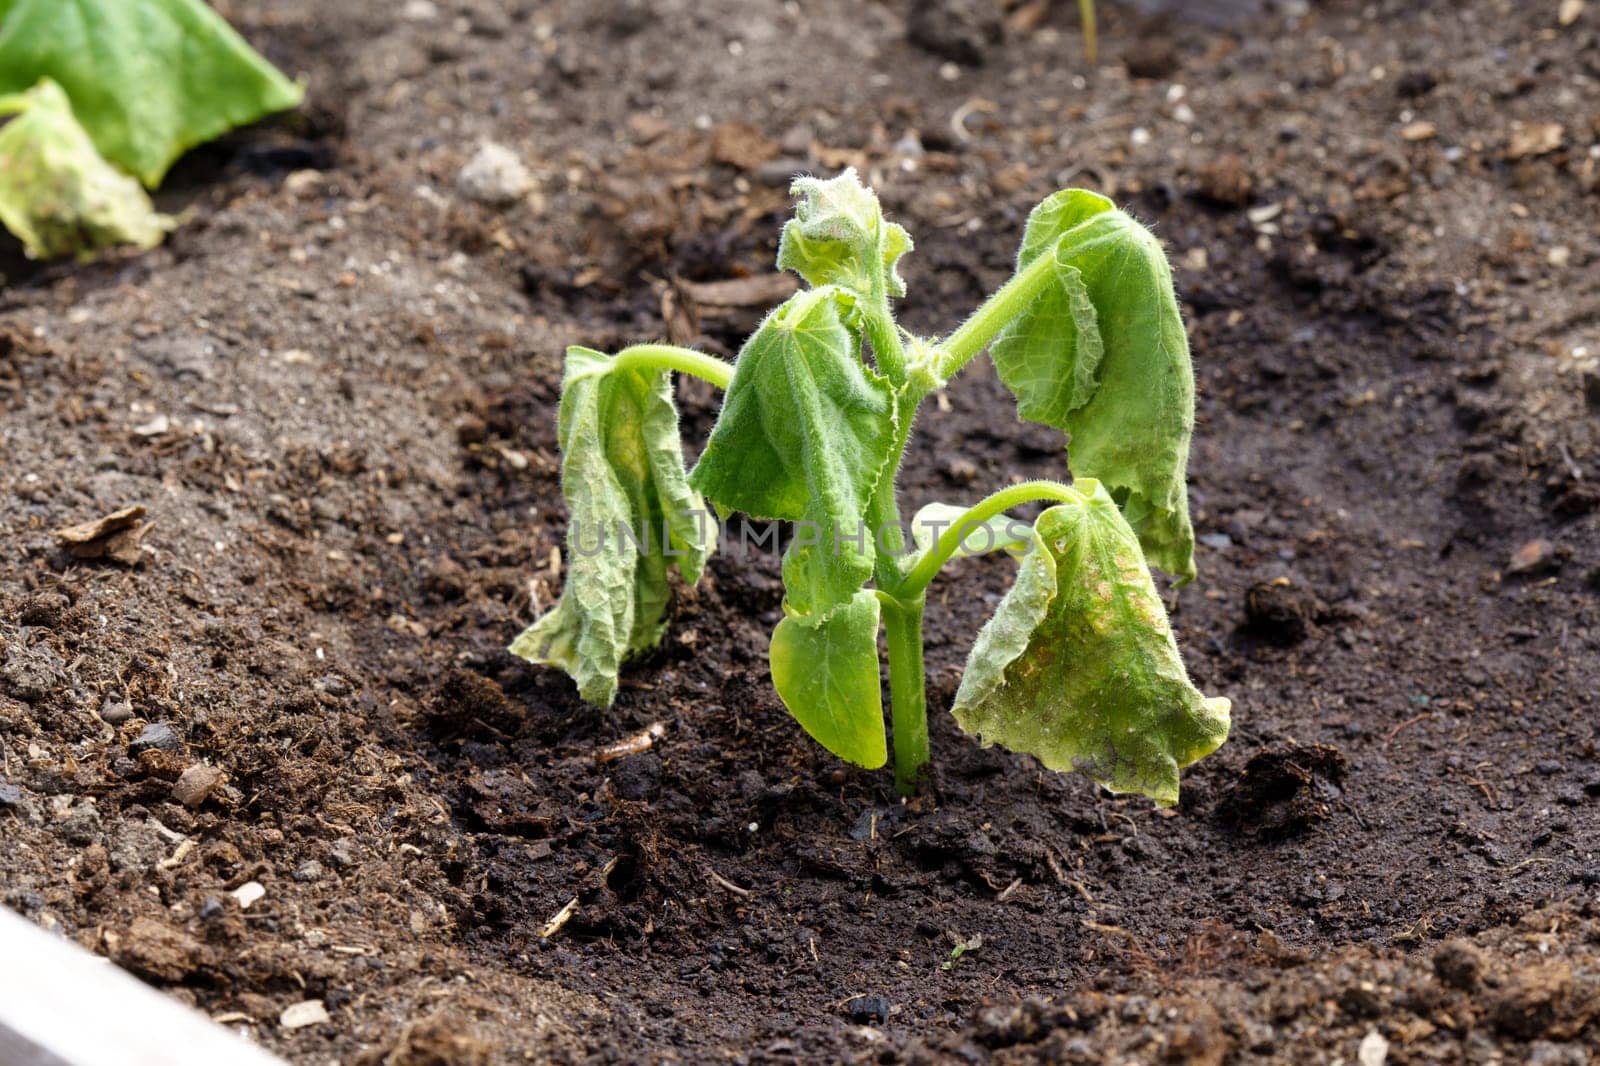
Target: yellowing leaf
{"type": "Point", "coordinates": [827, 676]}
{"type": "Point", "coordinates": [804, 435]}
{"type": "Point", "coordinates": [56, 194]}
{"type": "Point", "coordinates": [1103, 356]}
{"type": "Point", "coordinates": [631, 516]}
{"type": "Point", "coordinates": [149, 79]}
{"type": "Point", "coordinates": [839, 237]}
{"type": "Point", "coordinates": [1079, 667]}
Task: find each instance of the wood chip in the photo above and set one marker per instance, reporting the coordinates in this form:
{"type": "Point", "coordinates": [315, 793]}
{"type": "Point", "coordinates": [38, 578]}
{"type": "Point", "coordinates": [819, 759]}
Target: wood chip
{"type": "Point", "coordinates": [639, 742]}
{"type": "Point", "coordinates": [758, 290]}
{"type": "Point", "coordinates": [1529, 139]}
{"type": "Point", "coordinates": [741, 145]}
{"type": "Point", "coordinates": [306, 1012]}
{"type": "Point", "coordinates": [116, 536]}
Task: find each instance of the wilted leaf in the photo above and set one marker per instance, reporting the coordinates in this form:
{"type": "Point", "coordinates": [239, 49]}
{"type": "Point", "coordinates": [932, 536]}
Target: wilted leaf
{"type": "Point", "coordinates": [1000, 533]}
{"type": "Point", "coordinates": [804, 434]}
{"type": "Point", "coordinates": [149, 79]}
{"type": "Point", "coordinates": [827, 675]}
{"type": "Point", "coordinates": [1079, 667]}
{"type": "Point", "coordinates": [56, 194]}
{"type": "Point", "coordinates": [838, 236]}
{"type": "Point", "coordinates": [1122, 389]}
{"type": "Point", "coordinates": [631, 515]}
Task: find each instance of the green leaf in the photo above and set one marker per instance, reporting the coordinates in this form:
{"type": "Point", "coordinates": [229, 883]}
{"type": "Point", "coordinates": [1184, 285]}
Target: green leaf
{"type": "Point", "coordinates": [632, 516]}
{"type": "Point", "coordinates": [838, 236]}
{"type": "Point", "coordinates": [827, 675]}
{"type": "Point", "coordinates": [1103, 356]}
{"type": "Point", "coordinates": [804, 435]}
{"type": "Point", "coordinates": [1079, 667]}
{"type": "Point", "coordinates": [1000, 533]}
{"type": "Point", "coordinates": [149, 79]}
{"type": "Point", "coordinates": [56, 193]}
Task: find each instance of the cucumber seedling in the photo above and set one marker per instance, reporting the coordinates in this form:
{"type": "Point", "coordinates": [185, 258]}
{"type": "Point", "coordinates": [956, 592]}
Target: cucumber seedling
{"type": "Point", "coordinates": [1078, 665]}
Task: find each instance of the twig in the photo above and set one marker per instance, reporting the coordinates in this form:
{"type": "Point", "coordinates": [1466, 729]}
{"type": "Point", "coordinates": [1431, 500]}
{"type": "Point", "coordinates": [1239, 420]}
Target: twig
{"type": "Point", "coordinates": [553, 926]}
{"type": "Point", "coordinates": [1389, 738]}
{"type": "Point", "coordinates": [723, 882]}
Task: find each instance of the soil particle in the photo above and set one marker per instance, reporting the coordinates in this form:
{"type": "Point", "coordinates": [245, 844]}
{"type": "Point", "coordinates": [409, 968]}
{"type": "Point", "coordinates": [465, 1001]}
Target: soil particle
{"type": "Point", "coordinates": [158, 950]}
{"type": "Point", "coordinates": [962, 31]}
{"type": "Point", "coordinates": [1279, 611]}
{"type": "Point", "coordinates": [155, 737]}
{"type": "Point", "coordinates": [1459, 964]}
{"type": "Point", "coordinates": [1284, 792]}
{"type": "Point", "coordinates": [1532, 1000]}
{"type": "Point", "coordinates": [445, 1038]}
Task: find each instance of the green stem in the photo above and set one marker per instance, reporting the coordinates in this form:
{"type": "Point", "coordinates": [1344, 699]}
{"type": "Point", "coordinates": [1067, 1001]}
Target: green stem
{"type": "Point", "coordinates": [1008, 301]}
{"type": "Point", "coordinates": [1091, 35]}
{"type": "Point", "coordinates": [908, 701]}
{"type": "Point", "coordinates": [883, 509]}
{"type": "Point", "coordinates": [917, 580]}
{"type": "Point", "coordinates": [887, 347]}
{"type": "Point", "coordinates": [670, 357]}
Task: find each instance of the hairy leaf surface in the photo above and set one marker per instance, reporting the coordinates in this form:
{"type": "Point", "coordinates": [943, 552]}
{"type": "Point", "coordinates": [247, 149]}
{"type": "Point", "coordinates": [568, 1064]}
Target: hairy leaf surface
{"type": "Point", "coordinates": [1079, 667]}
{"type": "Point", "coordinates": [149, 79]}
{"type": "Point", "coordinates": [1102, 355]}
{"type": "Point", "coordinates": [827, 676]}
{"type": "Point", "coordinates": [804, 435]}
{"type": "Point", "coordinates": [839, 237]}
{"type": "Point", "coordinates": [632, 516]}
{"type": "Point", "coordinates": [57, 195]}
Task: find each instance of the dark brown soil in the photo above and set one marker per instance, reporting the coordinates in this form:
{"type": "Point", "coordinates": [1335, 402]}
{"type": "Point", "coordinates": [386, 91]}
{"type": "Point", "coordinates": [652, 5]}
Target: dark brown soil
{"type": "Point", "coordinates": [333, 391]}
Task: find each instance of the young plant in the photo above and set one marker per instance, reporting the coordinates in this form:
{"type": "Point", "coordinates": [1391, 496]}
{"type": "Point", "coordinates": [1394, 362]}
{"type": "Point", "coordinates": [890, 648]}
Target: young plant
{"type": "Point", "coordinates": [1078, 666]}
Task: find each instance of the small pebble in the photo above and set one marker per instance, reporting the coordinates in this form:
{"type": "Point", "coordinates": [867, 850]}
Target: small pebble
{"type": "Point", "coordinates": [157, 736]}
{"type": "Point", "coordinates": [116, 712]}
{"type": "Point", "coordinates": [494, 176]}
{"type": "Point", "coordinates": [196, 784]}
{"type": "Point", "coordinates": [248, 893]}
{"type": "Point", "coordinates": [308, 871]}
{"type": "Point", "coordinates": [306, 1012]}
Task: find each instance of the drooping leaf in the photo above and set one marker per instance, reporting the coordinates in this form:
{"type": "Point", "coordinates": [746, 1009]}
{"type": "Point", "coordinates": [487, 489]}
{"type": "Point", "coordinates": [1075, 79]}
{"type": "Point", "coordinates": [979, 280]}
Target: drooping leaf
{"type": "Point", "coordinates": [804, 435]}
{"type": "Point", "coordinates": [1000, 533]}
{"type": "Point", "coordinates": [56, 194]}
{"type": "Point", "coordinates": [827, 676]}
{"type": "Point", "coordinates": [632, 515]}
{"type": "Point", "coordinates": [1049, 356]}
{"type": "Point", "coordinates": [1079, 667]}
{"type": "Point", "coordinates": [149, 79]}
{"type": "Point", "coordinates": [838, 236]}
{"type": "Point", "coordinates": [1103, 356]}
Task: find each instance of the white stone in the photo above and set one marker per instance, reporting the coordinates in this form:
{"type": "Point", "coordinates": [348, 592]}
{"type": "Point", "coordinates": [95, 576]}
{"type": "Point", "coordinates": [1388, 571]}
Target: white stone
{"type": "Point", "coordinates": [306, 1012]}
{"type": "Point", "coordinates": [494, 176]}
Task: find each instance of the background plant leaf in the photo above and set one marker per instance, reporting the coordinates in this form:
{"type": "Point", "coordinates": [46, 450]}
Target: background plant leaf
{"type": "Point", "coordinates": [827, 676]}
{"type": "Point", "coordinates": [804, 435]}
{"type": "Point", "coordinates": [1079, 667]}
{"type": "Point", "coordinates": [621, 469]}
{"type": "Point", "coordinates": [1122, 388]}
{"type": "Point", "coordinates": [148, 79]}
{"type": "Point", "coordinates": [999, 533]}
{"type": "Point", "coordinates": [57, 195]}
